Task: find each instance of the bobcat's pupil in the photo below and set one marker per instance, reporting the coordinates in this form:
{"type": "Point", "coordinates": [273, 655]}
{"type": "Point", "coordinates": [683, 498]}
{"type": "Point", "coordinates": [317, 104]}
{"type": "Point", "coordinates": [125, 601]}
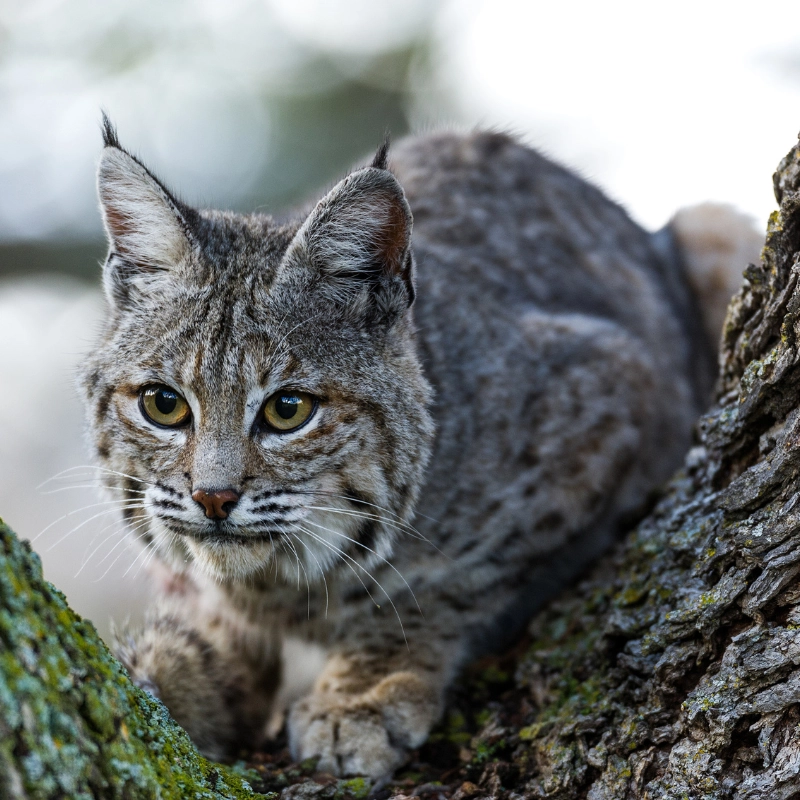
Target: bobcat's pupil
{"type": "Point", "coordinates": [287, 406]}
{"type": "Point", "coordinates": [166, 401]}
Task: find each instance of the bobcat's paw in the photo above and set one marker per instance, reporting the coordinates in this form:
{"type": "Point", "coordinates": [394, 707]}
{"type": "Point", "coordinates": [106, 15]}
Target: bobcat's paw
{"type": "Point", "coordinates": [367, 734]}
{"type": "Point", "coordinates": [128, 651]}
{"type": "Point", "coordinates": [174, 664]}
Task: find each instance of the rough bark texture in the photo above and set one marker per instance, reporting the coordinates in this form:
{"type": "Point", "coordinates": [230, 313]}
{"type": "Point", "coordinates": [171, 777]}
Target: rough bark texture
{"type": "Point", "coordinates": [673, 671]}
{"type": "Point", "coordinates": [71, 723]}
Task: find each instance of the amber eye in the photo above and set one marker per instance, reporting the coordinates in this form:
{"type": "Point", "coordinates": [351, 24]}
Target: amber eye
{"type": "Point", "coordinates": [164, 406]}
{"type": "Point", "coordinates": [288, 410]}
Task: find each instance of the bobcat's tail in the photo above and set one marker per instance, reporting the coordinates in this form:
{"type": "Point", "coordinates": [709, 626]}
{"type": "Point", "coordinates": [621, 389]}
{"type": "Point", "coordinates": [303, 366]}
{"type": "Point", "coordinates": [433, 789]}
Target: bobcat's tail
{"type": "Point", "coordinates": [716, 242]}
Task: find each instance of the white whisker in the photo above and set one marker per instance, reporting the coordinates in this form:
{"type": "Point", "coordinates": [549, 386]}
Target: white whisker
{"type": "Point", "coordinates": [404, 527]}
{"type": "Point", "coordinates": [370, 575]}
{"type": "Point", "coordinates": [358, 500]}
{"type": "Point", "coordinates": [153, 550]}
{"type": "Point", "coordinates": [64, 473]}
{"type": "Point", "coordinates": [146, 551]}
{"type": "Point", "coordinates": [98, 486]}
{"type": "Point", "coordinates": [121, 528]}
{"type": "Point", "coordinates": [370, 550]}
{"type": "Point", "coordinates": [127, 542]}
{"type": "Point", "coordinates": [70, 514]}
{"type": "Point", "coordinates": [126, 531]}
{"type": "Point", "coordinates": [319, 566]}
{"type": "Point", "coordinates": [115, 506]}
{"type": "Point", "coordinates": [340, 556]}
{"type": "Point", "coordinates": [308, 586]}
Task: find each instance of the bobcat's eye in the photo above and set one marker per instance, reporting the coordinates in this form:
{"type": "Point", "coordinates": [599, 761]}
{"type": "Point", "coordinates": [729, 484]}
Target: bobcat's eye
{"type": "Point", "coordinates": [288, 410]}
{"type": "Point", "coordinates": [164, 406]}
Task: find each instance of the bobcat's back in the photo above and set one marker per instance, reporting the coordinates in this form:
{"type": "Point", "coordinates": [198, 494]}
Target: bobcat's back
{"type": "Point", "coordinates": [567, 355]}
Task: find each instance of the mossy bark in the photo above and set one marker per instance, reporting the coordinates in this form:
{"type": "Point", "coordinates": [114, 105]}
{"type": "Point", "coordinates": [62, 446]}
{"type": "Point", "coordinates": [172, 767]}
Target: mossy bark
{"type": "Point", "coordinates": [673, 671]}
{"type": "Point", "coordinates": [71, 723]}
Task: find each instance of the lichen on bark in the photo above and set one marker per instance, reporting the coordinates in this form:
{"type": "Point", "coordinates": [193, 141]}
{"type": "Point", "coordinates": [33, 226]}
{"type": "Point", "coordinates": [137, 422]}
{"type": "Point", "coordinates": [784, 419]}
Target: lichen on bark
{"type": "Point", "coordinates": [72, 725]}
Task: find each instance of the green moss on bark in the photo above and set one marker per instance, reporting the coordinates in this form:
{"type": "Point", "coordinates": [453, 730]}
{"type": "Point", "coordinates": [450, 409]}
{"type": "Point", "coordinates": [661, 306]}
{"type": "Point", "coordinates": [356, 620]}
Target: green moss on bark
{"type": "Point", "coordinates": [71, 722]}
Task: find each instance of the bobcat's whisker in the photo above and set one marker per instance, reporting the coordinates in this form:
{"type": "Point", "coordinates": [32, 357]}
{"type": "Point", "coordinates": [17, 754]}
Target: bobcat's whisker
{"type": "Point", "coordinates": [367, 515]}
{"type": "Point", "coordinates": [64, 473]}
{"type": "Point", "coordinates": [403, 527]}
{"type": "Point", "coordinates": [362, 502]}
{"type": "Point", "coordinates": [264, 570]}
{"type": "Point", "coordinates": [127, 531]}
{"type": "Point", "coordinates": [146, 553]}
{"type": "Point", "coordinates": [339, 555]}
{"type": "Point", "coordinates": [72, 513]}
{"type": "Point", "coordinates": [400, 521]}
{"type": "Point", "coordinates": [114, 523]}
{"type": "Point", "coordinates": [274, 558]}
{"type": "Point", "coordinates": [121, 527]}
{"type": "Point", "coordinates": [297, 558]}
{"type": "Point", "coordinates": [88, 556]}
{"type": "Point", "coordinates": [139, 555]}
{"type": "Point", "coordinates": [98, 486]}
{"type": "Point", "coordinates": [282, 543]}
{"type": "Point", "coordinates": [153, 550]}
{"type": "Point", "coordinates": [116, 505]}
{"type": "Point", "coordinates": [308, 585]}
{"type": "Point", "coordinates": [78, 527]}
{"type": "Point", "coordinates": [319, 567]}
{"type": "Point", "coordinates": [127, 542]}
{"type": "Point", "coordinates": [369, 549]}
{"type": "Point", "coordinates": [372, 577]}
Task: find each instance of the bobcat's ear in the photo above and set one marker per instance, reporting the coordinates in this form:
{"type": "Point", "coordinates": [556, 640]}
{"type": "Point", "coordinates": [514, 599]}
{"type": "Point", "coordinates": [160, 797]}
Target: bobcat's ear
{"type": "Point", "coordinates": [147, 228]}
{"type": "Point", "coordinates": [356, 245]}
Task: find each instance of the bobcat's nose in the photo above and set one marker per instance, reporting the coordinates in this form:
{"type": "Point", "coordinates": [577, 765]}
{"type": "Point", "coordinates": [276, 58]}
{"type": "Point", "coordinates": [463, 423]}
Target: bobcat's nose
{"type": "Point", "coordinates": [216, 504]}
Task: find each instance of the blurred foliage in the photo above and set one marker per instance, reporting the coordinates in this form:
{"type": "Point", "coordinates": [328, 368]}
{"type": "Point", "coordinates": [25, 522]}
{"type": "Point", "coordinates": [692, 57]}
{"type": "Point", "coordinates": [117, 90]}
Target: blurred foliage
{"type": "Point", "coordinates": [79, 259]}
{"type": "Point", "coordinates": [318, 135]}
{"type": "Point", "coordinates": [315, 137]}
{"type": "Point", "coordinates": [320, 111]}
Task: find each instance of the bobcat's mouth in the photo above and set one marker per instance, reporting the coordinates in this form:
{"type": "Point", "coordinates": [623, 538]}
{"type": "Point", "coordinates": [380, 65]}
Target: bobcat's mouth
{"type": "Point", "coordinates": [220, 536]}
{"type": "Point", "coordinates": [239, 538]}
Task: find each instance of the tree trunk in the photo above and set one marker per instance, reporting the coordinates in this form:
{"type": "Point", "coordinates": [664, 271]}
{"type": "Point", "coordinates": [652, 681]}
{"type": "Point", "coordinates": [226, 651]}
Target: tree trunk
{"type": "Point", "coordinates": [72, 726]}
{"type": "Point", "coordinates": [673, 671]}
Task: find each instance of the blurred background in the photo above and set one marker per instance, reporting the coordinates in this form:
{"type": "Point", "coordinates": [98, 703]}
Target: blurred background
{"type": "Point", "coordinates": [255, 105]}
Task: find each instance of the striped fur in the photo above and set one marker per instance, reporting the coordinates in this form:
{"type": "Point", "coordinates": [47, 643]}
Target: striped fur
{"type": "Point", "coordinates": [472, 450]}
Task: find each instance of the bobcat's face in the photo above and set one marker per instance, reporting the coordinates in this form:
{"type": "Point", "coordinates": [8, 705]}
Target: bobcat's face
{"type": "Point", "coordinates": [255, 413]}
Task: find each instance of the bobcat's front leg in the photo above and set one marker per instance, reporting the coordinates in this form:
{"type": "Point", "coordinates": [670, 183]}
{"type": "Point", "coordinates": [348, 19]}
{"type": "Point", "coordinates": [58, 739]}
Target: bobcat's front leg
{"type": "Point", "coordinates": [367, 711]}
{"type": "Point", "coordinates": [214, 682]}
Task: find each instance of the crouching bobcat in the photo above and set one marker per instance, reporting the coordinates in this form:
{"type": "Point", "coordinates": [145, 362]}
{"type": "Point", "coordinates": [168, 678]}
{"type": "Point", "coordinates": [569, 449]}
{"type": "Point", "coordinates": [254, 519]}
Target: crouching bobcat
{"type": "Point", "coordinates": [362, 456]}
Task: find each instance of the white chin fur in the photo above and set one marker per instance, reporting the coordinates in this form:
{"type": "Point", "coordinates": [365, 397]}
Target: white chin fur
{"type": "Point", "coordinates": [231, 560]}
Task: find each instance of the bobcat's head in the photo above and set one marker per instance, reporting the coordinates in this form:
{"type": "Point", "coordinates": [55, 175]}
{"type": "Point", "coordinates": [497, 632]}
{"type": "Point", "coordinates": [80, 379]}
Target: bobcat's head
{"type": "Point", "coordinates": [255, 398]}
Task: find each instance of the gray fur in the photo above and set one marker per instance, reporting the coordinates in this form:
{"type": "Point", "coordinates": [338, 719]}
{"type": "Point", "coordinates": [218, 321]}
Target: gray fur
{"type": "Point", "coordinates": [472, 449]}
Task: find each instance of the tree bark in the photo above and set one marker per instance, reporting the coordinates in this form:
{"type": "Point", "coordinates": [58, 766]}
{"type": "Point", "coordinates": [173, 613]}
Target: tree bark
{"type": "Point", "coordinates": [72, 726]}
{"type": "Point", "coordinates": [672, 671]}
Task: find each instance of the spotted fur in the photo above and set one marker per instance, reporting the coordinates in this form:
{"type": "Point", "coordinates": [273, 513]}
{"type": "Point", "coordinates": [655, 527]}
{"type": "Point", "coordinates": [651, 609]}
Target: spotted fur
{"type": "Point", "coordinates": [494, 396]}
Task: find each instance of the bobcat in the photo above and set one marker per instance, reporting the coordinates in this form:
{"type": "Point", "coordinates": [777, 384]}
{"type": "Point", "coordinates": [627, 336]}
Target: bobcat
{"type": "Point", "coordinates": [362, 457]}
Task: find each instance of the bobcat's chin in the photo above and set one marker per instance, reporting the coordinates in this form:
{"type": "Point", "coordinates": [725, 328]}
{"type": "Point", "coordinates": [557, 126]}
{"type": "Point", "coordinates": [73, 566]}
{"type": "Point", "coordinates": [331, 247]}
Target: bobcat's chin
{"type": "Point", "coordinates": [224, 557]}
{"type": "Point", "coordinates": [234, 558]}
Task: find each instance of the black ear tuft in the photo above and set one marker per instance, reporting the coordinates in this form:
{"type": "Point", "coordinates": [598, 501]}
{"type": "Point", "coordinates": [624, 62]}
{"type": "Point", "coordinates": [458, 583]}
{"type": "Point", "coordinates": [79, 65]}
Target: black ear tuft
{"type": "Point", "coordinates": [381, 160]}
{"type": "Point", "coordinates": [110, 138]}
